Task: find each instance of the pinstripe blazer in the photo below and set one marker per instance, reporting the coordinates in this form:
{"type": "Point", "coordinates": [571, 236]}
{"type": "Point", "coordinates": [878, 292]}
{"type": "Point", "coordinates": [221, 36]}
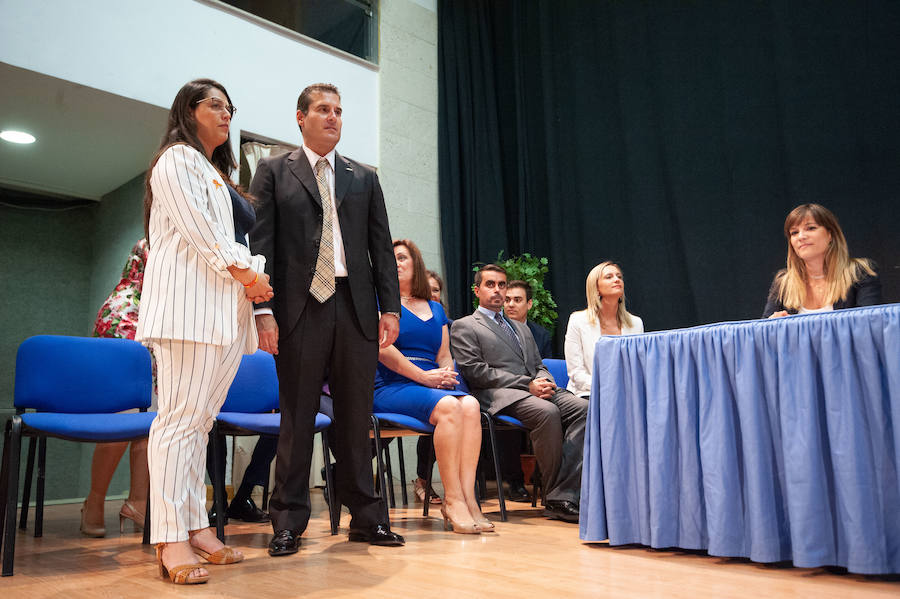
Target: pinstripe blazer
{"type": "Point", "coordinates": [188, 292]}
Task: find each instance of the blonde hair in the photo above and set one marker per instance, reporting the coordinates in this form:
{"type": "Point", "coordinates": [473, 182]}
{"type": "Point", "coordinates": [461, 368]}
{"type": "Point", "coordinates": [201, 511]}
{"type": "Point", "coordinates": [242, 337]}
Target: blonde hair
{"type": "Point", "coordinates": [841, 271]}
{"type": "Point", "coordinates": [623, 317]}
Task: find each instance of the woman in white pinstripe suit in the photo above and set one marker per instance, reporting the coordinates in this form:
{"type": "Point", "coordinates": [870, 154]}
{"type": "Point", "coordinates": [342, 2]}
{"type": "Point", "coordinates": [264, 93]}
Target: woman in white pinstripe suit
{"type": "Point", "coordinates": [196, 314]}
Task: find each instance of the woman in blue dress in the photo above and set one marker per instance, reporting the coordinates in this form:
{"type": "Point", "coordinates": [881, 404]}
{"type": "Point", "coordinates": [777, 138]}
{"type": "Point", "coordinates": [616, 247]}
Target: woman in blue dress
{"type": "Point", "coordinates": [416, 377]}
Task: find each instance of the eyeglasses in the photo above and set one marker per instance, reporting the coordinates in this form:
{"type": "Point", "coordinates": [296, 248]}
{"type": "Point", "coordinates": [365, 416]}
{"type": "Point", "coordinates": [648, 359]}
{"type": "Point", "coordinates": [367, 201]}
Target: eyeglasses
{"type": "Point", "coordinates": [219, 106]}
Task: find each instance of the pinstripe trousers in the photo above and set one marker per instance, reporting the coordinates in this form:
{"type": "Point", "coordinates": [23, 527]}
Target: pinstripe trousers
{"type": "Point", "coordinates": [194, 379]}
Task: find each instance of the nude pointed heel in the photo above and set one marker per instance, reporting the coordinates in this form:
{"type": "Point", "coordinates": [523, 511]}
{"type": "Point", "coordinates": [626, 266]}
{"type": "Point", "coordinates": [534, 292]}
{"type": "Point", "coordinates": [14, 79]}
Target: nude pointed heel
{"type": "Point", "coordinates": [89, 530]}
{"type": "Point", "coordinates": [129, 512]}
{"type": "Point", "coordinates": [485, 525]}
{"type": "Point", "coordinates": [451, 525]}
{"type": "Point", "coordinates": [179, 574]}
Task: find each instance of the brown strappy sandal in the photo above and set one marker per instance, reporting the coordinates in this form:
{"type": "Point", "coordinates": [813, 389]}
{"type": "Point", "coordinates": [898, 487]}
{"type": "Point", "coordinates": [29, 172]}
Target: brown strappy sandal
{"type": "Point", "coordinates": [179, 574]}
{"type": "Point", "coordinates": [225, 555]}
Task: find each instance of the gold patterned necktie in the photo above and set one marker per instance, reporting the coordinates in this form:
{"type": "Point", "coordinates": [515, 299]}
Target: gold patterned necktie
{"type": "Point", "coordinates": [322, 286]}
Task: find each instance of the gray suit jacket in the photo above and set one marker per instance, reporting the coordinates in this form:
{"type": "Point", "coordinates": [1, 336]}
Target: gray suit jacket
{"type": "Point", "coordinates": [497, 371]}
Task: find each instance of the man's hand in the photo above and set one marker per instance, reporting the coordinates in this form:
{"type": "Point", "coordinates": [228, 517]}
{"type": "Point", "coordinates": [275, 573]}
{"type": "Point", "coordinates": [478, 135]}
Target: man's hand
{"type": "Point", "coordinates": [541, 387]}
{"type": "Point", "coordinates": [388, 329]}
{"type": "Point", "coordinates": [267, 329]}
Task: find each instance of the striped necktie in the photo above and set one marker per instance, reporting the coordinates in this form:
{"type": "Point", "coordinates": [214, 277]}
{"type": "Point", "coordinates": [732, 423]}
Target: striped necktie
{"type": "Point", "coordinates": [322, 286]}
{"type": "Point", "coordinates": [507, 329]}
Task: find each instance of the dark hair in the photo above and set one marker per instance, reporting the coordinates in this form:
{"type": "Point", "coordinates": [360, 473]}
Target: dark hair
{"type": "Point", "coordinates": [433, 275]}
{"type": "Point", "coordinates": [182, 129]}
{"type": "Point", "coordinates": [487, 268]}
{"type": "Point", "coordinates": [306, 95]}
{"type": "Point", "coordinates": [517, 284]}
{"type": "Point", "coordinates": [420, 287]}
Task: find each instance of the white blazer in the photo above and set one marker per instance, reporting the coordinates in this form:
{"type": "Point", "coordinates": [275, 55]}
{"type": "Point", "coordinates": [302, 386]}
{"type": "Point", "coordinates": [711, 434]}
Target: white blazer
{"type": "Point", "coordinates": [581, 337]}
{"type": "Point", "coordinates": [188, 293]}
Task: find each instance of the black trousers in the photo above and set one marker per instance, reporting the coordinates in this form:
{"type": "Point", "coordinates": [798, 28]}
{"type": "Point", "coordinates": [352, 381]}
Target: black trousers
{"type": "Point", "coordinates": [327, 344]}
{"type": "Point", "coordinates": [257, 472]}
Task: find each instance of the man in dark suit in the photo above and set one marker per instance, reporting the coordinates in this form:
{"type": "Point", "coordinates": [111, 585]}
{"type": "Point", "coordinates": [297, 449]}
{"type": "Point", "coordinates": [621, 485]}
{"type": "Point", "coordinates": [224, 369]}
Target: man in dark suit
{"type": "Point", "coordinates": [518, 303]}
{"type": "Point", "coordinates": [500, 361]}
{"type": "Point", "coordinates": [321, 223]}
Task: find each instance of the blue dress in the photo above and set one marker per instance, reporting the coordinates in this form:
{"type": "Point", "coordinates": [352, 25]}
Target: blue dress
{"type": "Point", "coordinates": [419, 340]}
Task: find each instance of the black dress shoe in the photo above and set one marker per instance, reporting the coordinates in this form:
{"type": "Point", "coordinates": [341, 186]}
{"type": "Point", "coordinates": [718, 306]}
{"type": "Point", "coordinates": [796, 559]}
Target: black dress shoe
{"type": "Point", "coordinates": [379, 534]}
{"type": "Point", "coordinates": [562, 510]}
{"type": "Point", "coordinates": [246, 510]}
{"type": "Point", "coordinates": [211, 514]}
{"type": "Point", "coordinates": [285, 542]}
{"type": "Point", "coordinates": [518, 492]}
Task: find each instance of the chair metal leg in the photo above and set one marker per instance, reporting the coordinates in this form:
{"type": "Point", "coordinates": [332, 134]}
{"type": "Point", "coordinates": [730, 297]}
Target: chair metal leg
{"type": "Point", "coordinates": [218, 481]}
{"type": "Point", "coordinates": [379, 466]}
{"type": "Point", "coordinates": [26, 489]}
{"type": "Point", "coordinates": [146, 539]}
{"type": "Point", "coordinates": [390, 473]}
{"type": "Point", "coordinates": [431, 460]}
{"type": "Point", "coordinates": [39, 499]}
{"type": "Point", "coordinates": [403, 496]}
{"type": "Point", "coordinates": [492, 433]}
{"type": "Point", "coordinates": [4, 469]}
{"type": "Point", "coordinates": [13, 443]}
{"type": "Point", "coordinates": [334, 508]}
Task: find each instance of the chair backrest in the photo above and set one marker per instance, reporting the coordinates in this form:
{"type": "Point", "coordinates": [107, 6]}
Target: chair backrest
{"type": "Point", "coordinates": [255, 386]}
{"type": "Point", "coordinates": [558, 369]}
{"type": "Point", "coordinates": [82, 375]}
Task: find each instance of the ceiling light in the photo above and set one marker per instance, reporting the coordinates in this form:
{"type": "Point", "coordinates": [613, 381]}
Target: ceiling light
{"type": "Point", "coordinates": [17, 137]}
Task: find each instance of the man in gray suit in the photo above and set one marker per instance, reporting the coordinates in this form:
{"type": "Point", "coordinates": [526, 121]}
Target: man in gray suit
{"type": "Point", "coordinates": [500, 360]}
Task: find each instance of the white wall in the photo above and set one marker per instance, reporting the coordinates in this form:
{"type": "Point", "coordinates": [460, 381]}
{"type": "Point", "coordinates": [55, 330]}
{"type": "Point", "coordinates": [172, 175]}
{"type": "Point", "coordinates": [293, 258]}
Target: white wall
{"type": "Point", "coordinates": [146, 50]}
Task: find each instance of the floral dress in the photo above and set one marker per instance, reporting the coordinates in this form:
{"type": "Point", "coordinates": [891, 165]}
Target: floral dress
{"type": "Point", "coordinates": [119, 313]}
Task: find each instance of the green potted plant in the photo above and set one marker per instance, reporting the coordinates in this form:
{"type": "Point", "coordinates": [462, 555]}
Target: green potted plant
{"type": "Point", "coordinates": [532, 270]}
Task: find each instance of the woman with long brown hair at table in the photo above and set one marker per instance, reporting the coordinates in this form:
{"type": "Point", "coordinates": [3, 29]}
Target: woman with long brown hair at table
{"type": "Point", "coordinates": [820, 275]}
{"type": "Point", "coordinates": [197, 316]}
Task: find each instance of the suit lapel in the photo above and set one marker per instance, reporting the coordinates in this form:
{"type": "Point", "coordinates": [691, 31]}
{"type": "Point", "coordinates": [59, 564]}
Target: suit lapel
{"type": "Point", "coordinates": [495, 328]}
{"type": "Point", "coordinates": [299, 166]}
{"type": "Point", "coordinates": [343, 176]}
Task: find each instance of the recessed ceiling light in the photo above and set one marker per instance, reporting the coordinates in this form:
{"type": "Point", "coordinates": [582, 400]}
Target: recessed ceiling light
{"type": "Point", "coordinates": [17, 137]}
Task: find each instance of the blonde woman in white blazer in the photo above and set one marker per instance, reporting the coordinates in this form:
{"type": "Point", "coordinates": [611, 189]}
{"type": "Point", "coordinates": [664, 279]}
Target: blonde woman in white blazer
{"type": "Point", "coordinates": [605, 315]}
{"type": "Point", "coordinates": [196, 314]}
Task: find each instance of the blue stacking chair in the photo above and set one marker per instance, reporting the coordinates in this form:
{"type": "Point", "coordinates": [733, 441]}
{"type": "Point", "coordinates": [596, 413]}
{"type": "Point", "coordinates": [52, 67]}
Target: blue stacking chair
{"type": "Point", "coordinates": [76, 385]}
{"type": "Point", "coordinates": [251, 409]}
{"type": "Point", "coordinates": [390, 425]}
{"type": "Point", "coordinates": [559, 371]}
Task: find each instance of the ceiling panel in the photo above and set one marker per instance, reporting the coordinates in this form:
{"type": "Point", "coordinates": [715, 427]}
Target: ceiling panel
{"type": "Point", "coordinates": [89, 142]}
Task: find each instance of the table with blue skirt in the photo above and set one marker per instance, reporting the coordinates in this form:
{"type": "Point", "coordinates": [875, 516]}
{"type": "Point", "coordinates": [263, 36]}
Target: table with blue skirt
{"type": "Point", "coordinates": [774, 440]}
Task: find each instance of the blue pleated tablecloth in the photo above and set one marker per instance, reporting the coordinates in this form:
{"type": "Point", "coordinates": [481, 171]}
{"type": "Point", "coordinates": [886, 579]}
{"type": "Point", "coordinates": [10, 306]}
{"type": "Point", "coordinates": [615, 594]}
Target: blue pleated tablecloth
{"type": "Point", "coordinates": [775, 440]}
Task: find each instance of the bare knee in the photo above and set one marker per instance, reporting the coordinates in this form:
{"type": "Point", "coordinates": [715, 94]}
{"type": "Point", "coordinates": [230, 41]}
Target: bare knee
{"type": "Point", "coordinates": [447, 411]}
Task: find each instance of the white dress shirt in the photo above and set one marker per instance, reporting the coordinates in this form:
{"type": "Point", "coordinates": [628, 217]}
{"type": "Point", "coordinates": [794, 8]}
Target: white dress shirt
{"type": "Point", "coordinates": [581, 336]}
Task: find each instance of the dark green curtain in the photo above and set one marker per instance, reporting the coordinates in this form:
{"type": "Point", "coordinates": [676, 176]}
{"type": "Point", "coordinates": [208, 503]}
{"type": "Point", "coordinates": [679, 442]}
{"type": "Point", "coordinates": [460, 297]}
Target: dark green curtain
{"type": "Point", "coordinates": [672, 137]}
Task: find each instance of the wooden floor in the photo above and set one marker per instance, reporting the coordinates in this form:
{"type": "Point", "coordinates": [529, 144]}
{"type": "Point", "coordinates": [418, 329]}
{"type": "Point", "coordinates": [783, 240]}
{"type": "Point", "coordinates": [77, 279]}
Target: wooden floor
{"type": "Point", "coordinates": [528, 557]}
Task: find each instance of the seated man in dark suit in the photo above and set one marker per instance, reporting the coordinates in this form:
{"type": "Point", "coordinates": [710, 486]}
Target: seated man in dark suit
{"type": "Point", "coordinates": [518, 303]}
{"type": "Point", "coordinates": [500, 361]}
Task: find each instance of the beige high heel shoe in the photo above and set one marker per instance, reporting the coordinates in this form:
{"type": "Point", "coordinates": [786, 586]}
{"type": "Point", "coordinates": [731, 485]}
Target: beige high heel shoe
{"type": "Point", "coordinates": [484, 525]}
{"type": "Point", "coordinates": [452, 525]}
{"type": "Point", "coordinates": [179, 574]}
{"type": "Point", "coordinates": [129, 512]}
{"type": "Point", "coordinates": [90, 530]}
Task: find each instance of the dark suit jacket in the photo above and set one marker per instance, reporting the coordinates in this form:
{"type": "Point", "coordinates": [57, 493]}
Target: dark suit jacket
{"type": "Point", "coordinates": [541, 337]}
{"type": "Point", "coordinates": [866, 292]}
{"type": "Point", "coordinates": [289, 226]}
{"type": "Point", "coordinates": [498, 372]}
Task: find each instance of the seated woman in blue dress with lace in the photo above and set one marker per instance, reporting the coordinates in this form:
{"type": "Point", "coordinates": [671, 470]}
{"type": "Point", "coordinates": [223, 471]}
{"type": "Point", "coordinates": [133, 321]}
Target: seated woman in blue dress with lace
{"type": "Point", "coordinates": [416, 377]}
